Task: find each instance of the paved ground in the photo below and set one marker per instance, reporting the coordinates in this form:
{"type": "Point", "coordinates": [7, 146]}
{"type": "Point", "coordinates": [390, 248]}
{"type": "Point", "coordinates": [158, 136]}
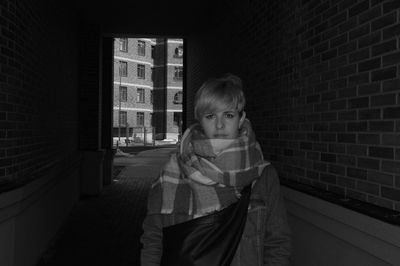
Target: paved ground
{"type": "Point", "coordinates": [105, 230]}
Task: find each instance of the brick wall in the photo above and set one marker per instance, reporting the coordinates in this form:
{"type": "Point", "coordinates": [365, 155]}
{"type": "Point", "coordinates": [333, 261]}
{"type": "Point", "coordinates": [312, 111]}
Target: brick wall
{"type": "Point", "coordinates": [38, 88]}
{"type": "Point", "coordinates": [206, 59]}
{"type": "Point", "coordinates": [89, 84]}
{"type": "Point", "coordinates": [323, 89]}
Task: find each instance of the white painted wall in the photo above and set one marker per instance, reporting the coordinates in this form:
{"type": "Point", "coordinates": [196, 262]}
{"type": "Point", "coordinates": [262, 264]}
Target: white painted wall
{"type": "Point", "coordinates": [30, 216]}
{"type": "Point", "coordinates": [325, 234]}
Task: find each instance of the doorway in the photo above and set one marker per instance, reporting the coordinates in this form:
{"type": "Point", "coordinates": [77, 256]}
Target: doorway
{"type": "Point", "coordinates": [148, 77]}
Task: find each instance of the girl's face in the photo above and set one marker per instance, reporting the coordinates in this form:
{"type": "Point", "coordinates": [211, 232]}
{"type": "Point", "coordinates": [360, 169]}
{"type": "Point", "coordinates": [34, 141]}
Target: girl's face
{"type": "Point", "coordinates": [222, 124]}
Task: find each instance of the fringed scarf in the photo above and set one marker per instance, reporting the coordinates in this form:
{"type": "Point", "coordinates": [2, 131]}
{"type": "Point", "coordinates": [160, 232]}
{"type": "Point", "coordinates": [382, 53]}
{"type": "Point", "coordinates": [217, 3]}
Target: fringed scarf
{"type": "Point", "coordinates": [206, 175]}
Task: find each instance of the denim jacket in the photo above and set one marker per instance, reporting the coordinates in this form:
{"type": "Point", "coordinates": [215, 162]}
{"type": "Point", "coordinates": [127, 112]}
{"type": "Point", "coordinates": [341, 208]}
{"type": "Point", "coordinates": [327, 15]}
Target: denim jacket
{"type": "Point", "coordinates": [266, 237]}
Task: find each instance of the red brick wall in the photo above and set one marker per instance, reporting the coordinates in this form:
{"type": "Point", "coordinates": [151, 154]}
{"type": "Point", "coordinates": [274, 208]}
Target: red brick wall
{"type": "Point", "coordinates": [38, 89]}
{"type": "Point", "coordinates": [323, 88]}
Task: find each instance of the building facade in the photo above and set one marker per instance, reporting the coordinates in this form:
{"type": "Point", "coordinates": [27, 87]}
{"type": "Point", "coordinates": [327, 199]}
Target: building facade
{"type": "Point", "coordinates": [148, 91]}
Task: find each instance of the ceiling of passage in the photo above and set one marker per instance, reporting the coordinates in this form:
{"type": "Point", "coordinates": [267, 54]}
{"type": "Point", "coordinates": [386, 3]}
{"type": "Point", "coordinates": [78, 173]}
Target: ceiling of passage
{"type": "Point", "coordinates": [176, 17]}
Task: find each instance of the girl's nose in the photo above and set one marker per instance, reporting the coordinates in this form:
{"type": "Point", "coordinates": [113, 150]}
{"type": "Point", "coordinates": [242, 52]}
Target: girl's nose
{"type": "Point", "coordinates": [220, 123]}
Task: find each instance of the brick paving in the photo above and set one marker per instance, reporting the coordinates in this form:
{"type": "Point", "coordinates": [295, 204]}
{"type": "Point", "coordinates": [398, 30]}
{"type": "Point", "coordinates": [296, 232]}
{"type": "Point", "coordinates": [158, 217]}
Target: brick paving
{"type": "Point", "coordinates": [105, 230]}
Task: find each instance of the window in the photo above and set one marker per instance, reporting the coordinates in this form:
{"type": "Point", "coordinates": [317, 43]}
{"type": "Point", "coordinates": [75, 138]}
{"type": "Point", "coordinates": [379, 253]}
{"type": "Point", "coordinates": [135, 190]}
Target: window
{"type": "Point", "coordinates": [140, 95]}
{"type": "Point", "coordinates": [141, 48]}
{"type": "Point", "coordinates": [123, 69]}
{"type": "Point", "coordinates": [152, 74]}
{"type": "Point", "coordinates": [151, 119]}
{"type": "Point", "coordinates": [151, 97]}
{"type": "Point", "coordinates": [177, 119]}
{"type": "Point", "coordinates": [178, 97]}
{"type": "Point", "coordinates": [178, 74]}
{"type": "Point", "coordinates": [178, 51]}
{"type": "Point", "coordinates": [140, 119]}
{"type": "Point", "coordinates": [141, 73]}
{"type": "Point", "coordinates": [122, 118]}
{"type": "Point", "coordinates": [123, 91]}
{"type": "Point", "coordinates": [123, 45]}
{"type": "Point", "coordinates": [153, 51]}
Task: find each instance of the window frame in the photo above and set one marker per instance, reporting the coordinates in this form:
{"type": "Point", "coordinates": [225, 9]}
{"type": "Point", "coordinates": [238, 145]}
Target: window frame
{"type": "Point", "coordinates": [123, 68]}
{"type": "Point", "coordinates": [177, 115]}
{"type": "Point", "coordinates": [178, 73]}
{"type": "Point", "coordinates": [141, 69]}
{"type": "Point", "coordinates": [178, 52]}
{"type": "Point", "coordinates": [123, 118]}
{"type": "Point", "coordinates": [123, 45]}
{"type": "Point", "coordinates": [123, 91]}
{"type": "Point", "coordinates": [178, 97]}
{"type": "Point", "coordinates": [153, 51]}
{"type": "Point", "coordinates": [141, 48]}
{"type": "Point", "coordinates": [140, 95]}
{"type": "Point", "coordinates": [140, 117]}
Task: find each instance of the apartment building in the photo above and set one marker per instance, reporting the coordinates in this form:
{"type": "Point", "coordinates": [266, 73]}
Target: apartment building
{"type": "Point", "coordinates": [148, 92]}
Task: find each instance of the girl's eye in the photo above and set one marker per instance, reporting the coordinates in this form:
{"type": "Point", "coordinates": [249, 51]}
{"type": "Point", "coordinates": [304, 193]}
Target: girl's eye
{"type": "Point", "coordinates": [229, 115]}
{"type": "Point", "coordinates": [209, 116]}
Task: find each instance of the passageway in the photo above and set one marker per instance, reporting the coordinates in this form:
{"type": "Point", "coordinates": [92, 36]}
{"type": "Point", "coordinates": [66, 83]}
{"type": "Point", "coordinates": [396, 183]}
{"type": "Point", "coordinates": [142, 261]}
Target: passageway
{"type": "Point", "coordinates": [322, 90]}
{"type": "Point", "coordinates": [105, 230]}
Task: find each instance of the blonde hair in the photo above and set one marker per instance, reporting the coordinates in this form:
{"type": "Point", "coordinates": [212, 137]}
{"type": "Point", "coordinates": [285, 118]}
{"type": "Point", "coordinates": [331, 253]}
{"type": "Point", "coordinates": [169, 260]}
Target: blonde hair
{"type": "Point", "coordinates": [226, 92]}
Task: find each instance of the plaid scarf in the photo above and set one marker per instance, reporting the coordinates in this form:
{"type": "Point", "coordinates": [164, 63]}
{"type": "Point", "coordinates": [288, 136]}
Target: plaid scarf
{"type": "Point", "coordinates": [206, 175]}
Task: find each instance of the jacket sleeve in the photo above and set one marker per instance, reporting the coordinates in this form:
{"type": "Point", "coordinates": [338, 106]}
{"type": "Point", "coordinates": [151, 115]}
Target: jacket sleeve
{"type": "Point", "coordinates": [277, 239]}
{"type": "Point", "coordinates": [151, 240]}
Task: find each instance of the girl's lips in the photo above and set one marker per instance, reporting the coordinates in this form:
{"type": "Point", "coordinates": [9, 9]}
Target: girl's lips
{"type": "Point", "coordinates": [220, 136]}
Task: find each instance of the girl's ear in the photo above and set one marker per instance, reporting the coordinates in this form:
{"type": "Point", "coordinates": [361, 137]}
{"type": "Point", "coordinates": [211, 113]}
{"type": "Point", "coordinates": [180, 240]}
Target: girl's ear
{"type": "Point", "coordinates": [242, 119]}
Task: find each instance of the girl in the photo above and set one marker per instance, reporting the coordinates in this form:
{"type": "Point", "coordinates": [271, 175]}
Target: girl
{"type": "Point", "coordinates": [200, 209]}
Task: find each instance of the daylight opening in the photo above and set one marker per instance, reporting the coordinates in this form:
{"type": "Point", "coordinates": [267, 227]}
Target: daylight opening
{"type": "Point", "coordinates": [148, 91]}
